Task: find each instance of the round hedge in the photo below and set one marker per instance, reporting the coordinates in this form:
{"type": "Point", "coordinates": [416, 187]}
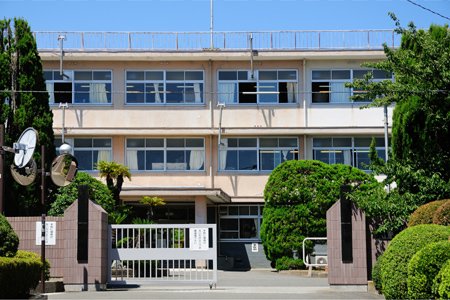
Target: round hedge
{"type": "Point", "coordinates": [394, 265]}
{"type": "Point", "coordinates": [442, 214]}
{"type": "Point", "coordinates": [423, 268]}
{"type": "Point", "coordinates": [424, 214]}
{"type": "Point", "coordinates": [376, 274]}
{"type": "Point", "coordinates": [441, 283]}
{"type": "Point", "coordinates": [9, 241]}
{"type": "Point", "coordinates": [297, 196]}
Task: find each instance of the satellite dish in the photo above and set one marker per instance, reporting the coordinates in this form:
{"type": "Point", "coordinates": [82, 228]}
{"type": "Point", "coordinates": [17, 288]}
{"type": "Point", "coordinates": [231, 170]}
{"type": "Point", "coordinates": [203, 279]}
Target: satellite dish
{"type": "Point", "coordinates": [25, 175]}
{"type": "Point", "coordinates": [24, 148]}
{"type": "Point", "coordinates": [64, 169]}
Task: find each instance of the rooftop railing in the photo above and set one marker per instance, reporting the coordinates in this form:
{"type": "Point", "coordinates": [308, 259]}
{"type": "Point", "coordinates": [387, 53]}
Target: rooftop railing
{"type": "Point", "coordinates": [198, 41]}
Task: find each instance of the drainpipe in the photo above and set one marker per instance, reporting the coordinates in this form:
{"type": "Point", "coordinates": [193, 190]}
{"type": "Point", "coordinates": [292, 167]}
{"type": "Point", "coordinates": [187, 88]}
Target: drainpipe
{"type": "Point", "coordinates": [305, 112]}
{"type": "Point", "coordinates": [211, 100]}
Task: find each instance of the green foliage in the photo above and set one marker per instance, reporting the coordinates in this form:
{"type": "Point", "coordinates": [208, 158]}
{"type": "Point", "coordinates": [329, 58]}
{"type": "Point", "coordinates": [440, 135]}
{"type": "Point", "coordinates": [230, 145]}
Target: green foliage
{"type": "Point", "coordinates": [424, 214]}
{"type": "Point", "coordinates": [98, 193]}
{"type": "Point", "coordinates": [142, 221]}
{"type": "Point", "coordinates": [394, 265]}
{"type": "Point", "coordinates": [297, 196]}
{"type": "Point", "coordinates": [9, 241]}
{"type": "Point", "coordinates": [34, 256]}
{"type": "Point", "coordinates": [114, 174]}
{"type": "Point", "coordinates": [441, 283]}
{"type": "Point", "coordinates": [18, 275]}
{"type": "Point", "coordinates": [442, 214]}
{"type": "Point", "coordinates": [424, 267]}
{"type": "Point", "coordinates": [21, 70]}
{"type": "Point", "coordinates": [289, 263]}
{"type": "Point", "coordinates": [152, 201]}
{"type": "Point", "coordinates": [376, 274]}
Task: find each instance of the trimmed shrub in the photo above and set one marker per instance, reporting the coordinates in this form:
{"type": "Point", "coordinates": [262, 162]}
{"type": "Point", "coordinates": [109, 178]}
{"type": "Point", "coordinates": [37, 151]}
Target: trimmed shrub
{"type": "Point", "coordinates": [441, 283]}
{"type": "Point", "coordinates": [289, 263]}
{"type": "Point", "coordinates": [394, 265]}
{"type": "Point", "coordinates": [34, 256]}
{"type": "Point", "coordinates": [424, 213]}
{"type": "Point", "coordinates": [442, 214]}
{"type": "Point", "coordinates": [9, 241]}
{"type": "Point", "coordinates": [297, 197]}
{"type": "Point", "coordinates": [423, 268]}
{"type": "Point", "coordinates": [18, 276]}
{"type": "Point", "coordinates": [376, 275]}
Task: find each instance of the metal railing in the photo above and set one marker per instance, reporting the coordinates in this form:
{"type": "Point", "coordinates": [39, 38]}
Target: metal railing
{"type": "Point", "coordinates": [163, 253]}
{"type": "Point", "coordinates": [198, 41]}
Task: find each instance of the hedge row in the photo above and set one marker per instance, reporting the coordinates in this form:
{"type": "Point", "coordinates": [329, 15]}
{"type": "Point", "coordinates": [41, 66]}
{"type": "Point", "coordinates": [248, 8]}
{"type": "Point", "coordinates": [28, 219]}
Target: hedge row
{"type": "Point", "coordinates": [18, 275]}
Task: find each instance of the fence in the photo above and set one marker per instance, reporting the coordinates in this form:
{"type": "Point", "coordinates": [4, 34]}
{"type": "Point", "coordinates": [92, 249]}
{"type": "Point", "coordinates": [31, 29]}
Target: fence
{"type": "Point", "coordinates": [140, 254]}
{"type": "Point", "coordinates": [194, 41]}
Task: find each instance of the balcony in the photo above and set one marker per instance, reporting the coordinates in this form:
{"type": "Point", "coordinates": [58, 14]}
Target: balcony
{"type": "Point", "coordinates": [305, 40]}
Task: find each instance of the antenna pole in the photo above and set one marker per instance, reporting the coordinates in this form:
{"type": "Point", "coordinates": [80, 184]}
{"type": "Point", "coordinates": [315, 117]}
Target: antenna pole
{"type": "Point", "coordinates": [43, 174]}
{"type": "Point", "coordinates": [211, 27]}
{"type": "Point", "coordinates": [61, 53]}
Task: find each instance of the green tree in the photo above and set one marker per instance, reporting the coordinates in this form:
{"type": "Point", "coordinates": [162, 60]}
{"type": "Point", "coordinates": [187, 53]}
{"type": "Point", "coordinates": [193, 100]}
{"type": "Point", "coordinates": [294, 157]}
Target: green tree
{"type": "Point", "coordinates": [114, 174]}
{"type": "Point", "coordinates": [23, 103]}
{"type": "Point", "coordinates": [297, 197]}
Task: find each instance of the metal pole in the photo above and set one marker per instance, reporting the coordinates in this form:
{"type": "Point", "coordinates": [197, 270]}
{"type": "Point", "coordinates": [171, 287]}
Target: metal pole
{"type": "Point", "coordinates": [211, 27]}
{"type": "Point", "coordinates": [63, 106]}
{"type": "Point", "coordinates": [43, 217]}
{"type": "Point", "coordinates": [61, 54]}
{"type": "Point", "coordinates": [2, 157]}
{"type": "Point", "coordinates": [386, 145]}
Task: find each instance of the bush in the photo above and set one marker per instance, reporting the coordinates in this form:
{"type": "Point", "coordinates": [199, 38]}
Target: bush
{"type": "Point", "coordinates": [442, 214]}
{"type": "Point", "coordinates": [289, 263]}
{"type": "Point", "coordinates": [376, 274]}
{"type": "Point", "coordinates": [394, 265]}
{"type": "Point", "coordinates": [34, 256]}
{"type": "Point", "coordinates": [297, 197]}
{"type": "Point", "coordinates": [18, 276]}
{"type": "Point", "coordinates": [424, 213]}
{"type": "Point", "coordinates": [9, 241]}
{"type": "Point", "coordinates": [423, 268]}
{"type": "Point", "coordinates": [441, 283]}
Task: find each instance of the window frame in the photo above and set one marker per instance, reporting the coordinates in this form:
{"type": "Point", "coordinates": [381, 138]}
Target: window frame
{"type": "Point", "coordinates": [223, 214]}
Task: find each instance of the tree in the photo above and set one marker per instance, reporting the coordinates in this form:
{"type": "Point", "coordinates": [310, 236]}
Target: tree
{"type": "Point", "coordinates": [421, 125]}
{"type": "Point", "coordinates": [114, 174]}
{"type": "Point", "coordinates": [23, 103]}
{"type": "Point", "coordinates": [297, 197]}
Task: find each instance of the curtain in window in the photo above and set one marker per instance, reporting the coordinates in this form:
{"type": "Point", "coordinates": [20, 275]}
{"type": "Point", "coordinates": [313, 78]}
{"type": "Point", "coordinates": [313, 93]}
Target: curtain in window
{"type": "Point", "coordinates": [157, 93]}
{"type": "Point", "coordinates": [97, 93]}
{"type": "Point", "coordinates": [347, 157]}
{"type": "Point", "coordinates": [291, 86]}
{"type": "Point", "coordinates": [103, 155]}
{"type": "Point", "coordinates": [132, 159]}
{"type": "Point", "coordinates": [50, 90]}
{"type": "Point", "coordinates": [339, 93]}
{"type": "Point", "coordinates": [196, 159]}
{"type": "Point", "coordinates": [197, 93]}
{"type": "Point", "coordinates": [227, 92]}
{"type": "Point", "coordinates": [223, 154]}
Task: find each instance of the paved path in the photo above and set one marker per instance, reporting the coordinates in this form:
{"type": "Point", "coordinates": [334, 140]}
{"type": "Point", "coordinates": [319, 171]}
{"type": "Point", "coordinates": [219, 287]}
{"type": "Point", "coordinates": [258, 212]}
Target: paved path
{"type": "Point", "coordinates": [255, 284]}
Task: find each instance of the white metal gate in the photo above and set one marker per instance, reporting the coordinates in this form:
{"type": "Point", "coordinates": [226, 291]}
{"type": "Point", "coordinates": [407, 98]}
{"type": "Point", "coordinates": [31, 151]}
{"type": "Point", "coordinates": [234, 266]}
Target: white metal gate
{"type": "Point", "coordinates": [140, 254]}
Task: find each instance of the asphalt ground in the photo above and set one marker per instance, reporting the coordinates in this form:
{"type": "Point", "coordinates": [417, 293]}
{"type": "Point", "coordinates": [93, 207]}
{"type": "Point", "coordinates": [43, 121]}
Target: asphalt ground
{"type": "Point", "coordinates": [254, 284]}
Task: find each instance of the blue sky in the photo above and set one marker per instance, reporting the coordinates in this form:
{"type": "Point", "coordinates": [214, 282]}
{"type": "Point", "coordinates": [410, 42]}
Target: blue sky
{"type": "Point", "coordinates": [229, 15]}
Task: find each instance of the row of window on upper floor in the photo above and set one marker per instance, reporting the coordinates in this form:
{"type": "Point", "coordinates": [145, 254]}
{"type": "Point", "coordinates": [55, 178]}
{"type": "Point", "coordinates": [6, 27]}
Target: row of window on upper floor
{"type": "Point", "coordinates": [241, 154]}
{"type": "Point", "coordinates": [162, 87]}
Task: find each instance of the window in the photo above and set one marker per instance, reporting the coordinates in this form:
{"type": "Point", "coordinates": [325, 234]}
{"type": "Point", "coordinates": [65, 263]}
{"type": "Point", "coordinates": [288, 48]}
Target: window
{"type": "Point", "coordinates": [267, 87]}
{"type": "Point", "coordinates": [170, 154]}
{"type": "Point", "coordinates": [256, 154]}
{"type": "Point", "coordinates": [164, 87]}
{"type": "Point", "coordinates": [240, 222]}
{"type": "Point", "coordinates": [328, 86]}
{"type": "Point", "coordinates": [348, 151]}
{"type": "Point", "coordinates": [79, 87]}
{"type": "Point", "coordinates": [89, 151]}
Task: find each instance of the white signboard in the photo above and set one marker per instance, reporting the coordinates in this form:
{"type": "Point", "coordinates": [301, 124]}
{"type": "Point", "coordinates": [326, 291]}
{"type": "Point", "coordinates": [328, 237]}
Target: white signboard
{"type": "Point", "coordinates": [254, 247]}
{"type": "Point", "coordinates": [50, 233]}
{"type": "Point", "coordinates": [198, 239]}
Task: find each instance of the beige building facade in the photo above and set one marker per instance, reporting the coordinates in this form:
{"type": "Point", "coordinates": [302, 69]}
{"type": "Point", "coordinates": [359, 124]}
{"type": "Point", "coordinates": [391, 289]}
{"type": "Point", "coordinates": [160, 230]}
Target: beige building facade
{"type": "Point", "coordinates": [202, 126]}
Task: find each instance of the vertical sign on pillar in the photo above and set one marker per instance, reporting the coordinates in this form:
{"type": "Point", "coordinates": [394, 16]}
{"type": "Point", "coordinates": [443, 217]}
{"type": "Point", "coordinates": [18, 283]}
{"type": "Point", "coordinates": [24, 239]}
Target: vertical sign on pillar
{"type": "Point", "coordinates": [83, 223]}
{"type": "Point", "coordinates": [346, 225]}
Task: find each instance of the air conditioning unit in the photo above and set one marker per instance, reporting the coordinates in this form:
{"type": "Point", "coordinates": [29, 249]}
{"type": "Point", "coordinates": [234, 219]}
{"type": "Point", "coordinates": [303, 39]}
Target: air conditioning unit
{"type": "Point", "coordinates": [321, 260]}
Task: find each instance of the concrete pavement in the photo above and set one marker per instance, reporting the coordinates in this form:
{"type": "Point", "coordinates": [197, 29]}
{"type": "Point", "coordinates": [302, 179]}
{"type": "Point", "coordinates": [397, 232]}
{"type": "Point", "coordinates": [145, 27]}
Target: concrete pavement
{"type": "Point", "coordinates": [255, 284]}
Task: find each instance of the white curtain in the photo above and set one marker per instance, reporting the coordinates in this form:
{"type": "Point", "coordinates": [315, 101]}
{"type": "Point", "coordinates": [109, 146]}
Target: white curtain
{"type": "Point", "coordinates": [104, 155]}
{"type": "Point", "coordinates": [196, 159]}
{"type": "Point", "coordinates": [157, 93]}
{"type": "Point", "coordinates": [285, 154]}
{"type": "Point", "coordinates": [347, 157]}
{"type": "Point", "coordinates": [51, 93]}
{"type": "Point", "coordinates": [223, 154]}
{"type": "Point", "coordinates": [227, 92]}
{"type": "Point", "coordinates": [97, 93]}
{"type": "Point", "coordinates": [291, 92]}
{"type": "Point", "coordinates": [132, 159]}
{"type": "Point", "coordinates": [197, 93]}
{"type": "Point", "coordinates": [339, 93]}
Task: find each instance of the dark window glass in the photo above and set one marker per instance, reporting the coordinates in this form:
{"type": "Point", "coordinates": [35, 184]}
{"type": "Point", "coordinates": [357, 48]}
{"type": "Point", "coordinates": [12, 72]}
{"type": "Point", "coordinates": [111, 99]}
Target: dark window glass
{"type": "Point", "coordinates": [154, 143]}
{"type": "Point", "coordinates": [320, 92]}
{"type": "Point", "coordinates": [227, 75]}
{"type": "Point", "coordinates": [154, 75]}
{"type": "Point", "coordinates": [318, 75]}
{"type": "Point", "coordinates": [175, 75]}
{"type": "Point", "coordinates": [132, 75]}
{"type": "Point", "coordinates": [154, 159]}
{"type": "Point", "coordinates": [248, 160]}
{"type": "Point", "coordinates": [247, 92]}
{"type": "Point", "coordinates": [63, 92]}
{"type": "Point", "coordinates": [135, 143]}
{"type": "Point", "coordinates": [135, 92]}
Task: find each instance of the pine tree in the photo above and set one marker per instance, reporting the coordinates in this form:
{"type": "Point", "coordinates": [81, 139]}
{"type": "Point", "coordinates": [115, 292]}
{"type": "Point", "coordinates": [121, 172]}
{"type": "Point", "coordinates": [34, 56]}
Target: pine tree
{"type": "Point", "coordinates": [24, 103]}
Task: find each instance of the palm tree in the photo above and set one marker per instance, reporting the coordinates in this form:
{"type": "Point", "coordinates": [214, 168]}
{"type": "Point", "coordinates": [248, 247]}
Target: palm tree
{"type": "Point", "coordinates": [114, 174]}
